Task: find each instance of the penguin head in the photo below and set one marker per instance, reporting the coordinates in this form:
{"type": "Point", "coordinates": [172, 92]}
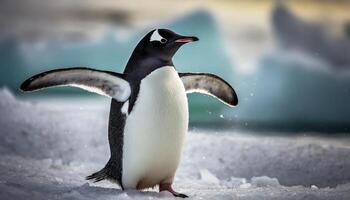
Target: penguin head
{"type": "Point", "coordinates": [163, 43]}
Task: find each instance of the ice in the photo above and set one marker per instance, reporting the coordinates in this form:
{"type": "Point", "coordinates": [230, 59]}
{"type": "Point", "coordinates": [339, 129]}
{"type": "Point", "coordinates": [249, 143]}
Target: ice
{"type": "Point", "coordinates": [310, 38]}
{"type": "Point", "coordinates": [265, 181]}
{"type": "Point", "coordinates": [314, 187]}
{"type": "Point", "coordinates": [48, 146]}
{"type": "Point", "coordinates": [245, 185]}
{"type": "Point", "coordinates": [208, 177]}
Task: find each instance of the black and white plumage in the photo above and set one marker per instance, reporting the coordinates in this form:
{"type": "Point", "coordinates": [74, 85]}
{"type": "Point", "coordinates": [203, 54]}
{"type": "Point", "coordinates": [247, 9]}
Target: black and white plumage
{"type": "Point", "coordinates": [209, 84]}
{"type": "Point", "coordinates": [149, 112]}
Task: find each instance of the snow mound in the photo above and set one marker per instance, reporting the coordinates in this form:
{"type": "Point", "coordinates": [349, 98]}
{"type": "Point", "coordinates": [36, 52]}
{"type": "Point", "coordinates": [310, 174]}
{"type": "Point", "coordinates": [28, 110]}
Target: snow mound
{"type": "Point", "coordinates": [49, 146]}
{"type": "Point", "coordinates": [265, 181]}
{"type": "Point", "coordinates": [207, 176]}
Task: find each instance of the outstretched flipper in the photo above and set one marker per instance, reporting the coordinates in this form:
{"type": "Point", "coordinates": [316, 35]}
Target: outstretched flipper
{"type": "Point", "coordinates": [209, 84]}
{"type": "Point", "coordinates": [106, 83]}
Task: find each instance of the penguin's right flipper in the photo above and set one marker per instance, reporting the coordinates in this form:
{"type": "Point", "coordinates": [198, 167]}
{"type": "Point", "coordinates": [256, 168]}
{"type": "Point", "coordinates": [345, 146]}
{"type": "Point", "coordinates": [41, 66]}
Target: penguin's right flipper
{"type": "Point", "coordinates": [106, 83]}
{"type": "Point", "coordinates": [210, 84]}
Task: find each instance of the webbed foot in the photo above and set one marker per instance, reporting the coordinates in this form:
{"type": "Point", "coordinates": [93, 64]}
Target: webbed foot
{"type": "Point", "coordinates": [167, 187]}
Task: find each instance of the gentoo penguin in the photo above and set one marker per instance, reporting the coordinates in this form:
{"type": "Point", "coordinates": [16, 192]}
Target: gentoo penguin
{"type": "Point", "coordinates": [149, 112]}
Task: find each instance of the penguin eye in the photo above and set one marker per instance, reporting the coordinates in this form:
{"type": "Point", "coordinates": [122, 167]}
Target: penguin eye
{"type": "Point", "coordinates": [163, 40]}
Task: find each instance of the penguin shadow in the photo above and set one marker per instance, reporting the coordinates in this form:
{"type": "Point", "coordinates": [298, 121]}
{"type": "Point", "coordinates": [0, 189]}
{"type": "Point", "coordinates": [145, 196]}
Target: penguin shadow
{"type": "Point", "coordinates": [93, 190]}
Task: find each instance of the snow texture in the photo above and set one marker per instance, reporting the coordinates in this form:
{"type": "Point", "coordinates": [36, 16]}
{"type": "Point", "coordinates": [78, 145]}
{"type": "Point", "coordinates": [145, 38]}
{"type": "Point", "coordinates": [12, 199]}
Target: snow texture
{"type": "Point", "coordinates": [47, 148]}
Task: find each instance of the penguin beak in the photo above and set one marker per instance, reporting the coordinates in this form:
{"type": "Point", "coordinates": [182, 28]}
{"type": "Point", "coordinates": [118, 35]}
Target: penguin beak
{"type": "Point", "coordinates": [186, 39]}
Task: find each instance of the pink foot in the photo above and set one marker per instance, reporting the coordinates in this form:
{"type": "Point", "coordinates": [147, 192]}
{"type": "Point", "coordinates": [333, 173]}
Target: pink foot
{"type": "Point", "coordinates": [167, 187]}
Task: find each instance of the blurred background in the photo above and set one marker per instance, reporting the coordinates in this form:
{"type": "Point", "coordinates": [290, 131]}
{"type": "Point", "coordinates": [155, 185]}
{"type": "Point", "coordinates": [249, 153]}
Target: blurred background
{"type": "Point", "coordinates": [289, 61]}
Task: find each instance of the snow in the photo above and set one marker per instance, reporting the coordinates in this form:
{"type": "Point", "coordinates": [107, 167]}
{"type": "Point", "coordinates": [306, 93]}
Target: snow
{"type": "Point", "coordinates": [48, 146]}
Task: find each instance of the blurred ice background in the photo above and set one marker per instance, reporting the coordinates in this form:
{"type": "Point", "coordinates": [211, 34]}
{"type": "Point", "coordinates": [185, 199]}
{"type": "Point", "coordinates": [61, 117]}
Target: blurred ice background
{"type": "Point", "coordinates": [289, 62]}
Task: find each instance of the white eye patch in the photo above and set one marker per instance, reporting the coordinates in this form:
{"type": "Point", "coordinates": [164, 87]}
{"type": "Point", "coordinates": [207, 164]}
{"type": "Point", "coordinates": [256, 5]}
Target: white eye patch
{"type": "Point", "coordinates": [156, 37]}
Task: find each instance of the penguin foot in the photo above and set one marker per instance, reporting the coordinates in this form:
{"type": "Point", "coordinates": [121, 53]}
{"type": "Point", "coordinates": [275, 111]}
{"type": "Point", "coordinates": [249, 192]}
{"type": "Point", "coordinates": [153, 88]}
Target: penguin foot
{"type": "Point", "coordinates": [167, 187]}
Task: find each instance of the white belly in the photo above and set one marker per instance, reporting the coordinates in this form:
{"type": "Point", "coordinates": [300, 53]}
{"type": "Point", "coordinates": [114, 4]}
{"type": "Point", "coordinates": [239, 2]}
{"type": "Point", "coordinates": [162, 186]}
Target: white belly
{"type": "Point", "coordinates": [155, 130]}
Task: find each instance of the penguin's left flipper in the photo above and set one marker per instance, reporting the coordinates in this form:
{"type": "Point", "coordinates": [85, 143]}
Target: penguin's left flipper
{"type": "Point", "coordinates": [209, 84]}
{"type": "Point", "coordinates": [106, 83]}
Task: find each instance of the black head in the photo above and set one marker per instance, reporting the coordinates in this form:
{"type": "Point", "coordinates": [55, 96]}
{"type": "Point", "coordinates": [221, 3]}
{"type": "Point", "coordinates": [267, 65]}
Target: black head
{"type": "Point", "coordinates": [155, 50]}
{"type": "Point", "coordinates": [160, 44]}
{"type": "Point", "coordinates": [163, 43]}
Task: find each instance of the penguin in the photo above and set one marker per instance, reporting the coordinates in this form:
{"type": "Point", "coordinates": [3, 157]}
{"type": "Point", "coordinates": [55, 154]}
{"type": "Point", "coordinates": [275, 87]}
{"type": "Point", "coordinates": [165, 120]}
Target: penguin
{"type": "Point", "coordinates": [149, 115]}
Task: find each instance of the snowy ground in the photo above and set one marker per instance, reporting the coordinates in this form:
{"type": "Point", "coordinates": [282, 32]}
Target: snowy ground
{"type": "Point", "coordinates": [48, 148]}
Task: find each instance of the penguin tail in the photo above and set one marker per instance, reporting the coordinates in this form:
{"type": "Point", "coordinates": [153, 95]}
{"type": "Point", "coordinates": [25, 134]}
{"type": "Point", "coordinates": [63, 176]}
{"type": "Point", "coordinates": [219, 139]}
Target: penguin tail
{"type": "Point", "coordinates": [109, 172]}
{"type": "Point", "coordinates": [98, 176]}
